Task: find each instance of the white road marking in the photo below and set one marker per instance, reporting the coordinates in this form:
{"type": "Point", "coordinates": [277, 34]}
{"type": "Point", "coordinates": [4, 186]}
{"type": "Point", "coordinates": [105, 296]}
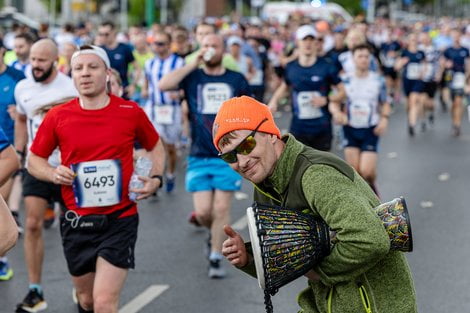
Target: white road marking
{"type": "Point", "coordinates": [426, 204]}
{"type": "Point", "coordinates": [136, 304]}
{"type": "Point", "coordinates": [240, 224]}
{"type": "Point", "coordinates": [444, 177]}
{"type": "Point", "coordinates": [240, 195]}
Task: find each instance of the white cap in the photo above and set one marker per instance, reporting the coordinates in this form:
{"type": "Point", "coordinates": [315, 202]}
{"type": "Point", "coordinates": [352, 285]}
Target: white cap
{"type": "Point", "coordinates": [234, 40]}
{"type": "Point", "coordinates": [305, 31]}
{"type": "Point", "coordinates": [99, 52]}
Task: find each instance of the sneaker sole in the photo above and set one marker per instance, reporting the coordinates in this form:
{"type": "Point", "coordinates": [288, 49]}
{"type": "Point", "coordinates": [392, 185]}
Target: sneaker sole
{"type": "Point", "coordinates": [38, 307]}
{"type": "Point", "coordinates": [8, 276]}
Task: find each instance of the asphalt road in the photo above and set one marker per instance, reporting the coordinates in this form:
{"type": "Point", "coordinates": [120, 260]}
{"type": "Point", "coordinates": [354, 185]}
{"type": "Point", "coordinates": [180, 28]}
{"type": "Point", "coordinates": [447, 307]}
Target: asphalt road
{"type": "Point", "coordinates": [431, 170]}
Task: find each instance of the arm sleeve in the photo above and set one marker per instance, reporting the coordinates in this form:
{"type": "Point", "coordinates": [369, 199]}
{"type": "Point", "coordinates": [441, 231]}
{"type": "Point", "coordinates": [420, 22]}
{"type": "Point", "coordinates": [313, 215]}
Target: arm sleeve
{"type": "Point", "coordinates": [46, 139]}
{"type": "Point", "coordinates": [147, 136]}
{"type": "Point", "coordinates": [346, 206]}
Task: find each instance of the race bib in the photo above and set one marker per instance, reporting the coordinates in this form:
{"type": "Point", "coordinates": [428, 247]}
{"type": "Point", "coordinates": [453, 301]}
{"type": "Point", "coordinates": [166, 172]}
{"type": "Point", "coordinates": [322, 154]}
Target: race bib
{"type": "Point", "coordinates": [413, 71]}
{"type": "Point", "coordinates": [98, 183]}
{"type": "Point", "coordinates": [359, 114]}
{"type": "Point", "coordinates": [305, 105]}
{"type": "Point", "coordinates": [458, 81]}
{"type": "Point", "coordinates": [428, 71]}
{"type": "Point", "coordinates": [213, 94]}
{"type": "Point", "coordinates": [257, 79]}
{"type": "Point", "coordinates": [389, 61]}
{"type": "Point", "coordinates": [164, 114]}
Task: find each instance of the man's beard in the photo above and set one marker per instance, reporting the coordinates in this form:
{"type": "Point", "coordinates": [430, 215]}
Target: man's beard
{"type": "Point", "coordinates": [213, 63]}
{"type": "Point", "coordinates": [45, 75]}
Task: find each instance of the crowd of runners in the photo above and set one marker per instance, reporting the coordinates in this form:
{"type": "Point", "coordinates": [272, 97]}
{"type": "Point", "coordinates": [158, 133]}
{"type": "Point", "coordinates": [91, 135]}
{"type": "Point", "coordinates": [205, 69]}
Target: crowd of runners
{"type": "Point", "coordinates": [101, 80]}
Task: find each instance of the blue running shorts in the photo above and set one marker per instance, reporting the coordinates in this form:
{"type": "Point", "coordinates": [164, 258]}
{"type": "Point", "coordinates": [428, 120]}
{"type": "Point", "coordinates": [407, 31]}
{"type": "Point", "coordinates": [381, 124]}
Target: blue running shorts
{"type": "Point", "coordinates": [207, 174]}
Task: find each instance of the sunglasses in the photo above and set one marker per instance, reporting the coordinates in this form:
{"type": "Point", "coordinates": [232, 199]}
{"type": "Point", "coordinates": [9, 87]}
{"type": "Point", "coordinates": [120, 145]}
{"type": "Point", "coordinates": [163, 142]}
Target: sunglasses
{"type": "Point", "coordinates": [103, 34]}
{"type": "Point", "coordinates": [160, 43]}
{"type": "Point", "coordinates": [244, 147]}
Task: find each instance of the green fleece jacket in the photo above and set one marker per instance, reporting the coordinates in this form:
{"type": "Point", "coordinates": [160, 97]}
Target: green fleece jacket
{"type": "Point", "coordinates": [332, 190]}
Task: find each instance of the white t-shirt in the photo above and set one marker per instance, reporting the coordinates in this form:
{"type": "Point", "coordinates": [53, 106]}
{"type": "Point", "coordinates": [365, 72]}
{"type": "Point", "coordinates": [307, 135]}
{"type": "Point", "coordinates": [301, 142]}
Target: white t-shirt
{"type": "Point", "coordinates": [364, 95]}
{"type": "Point", "coordinates": [31, 96]}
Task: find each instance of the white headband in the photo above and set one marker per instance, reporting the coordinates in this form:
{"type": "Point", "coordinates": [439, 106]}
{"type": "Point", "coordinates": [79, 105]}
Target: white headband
{"type": "Point", "coordinates": [99, 52]}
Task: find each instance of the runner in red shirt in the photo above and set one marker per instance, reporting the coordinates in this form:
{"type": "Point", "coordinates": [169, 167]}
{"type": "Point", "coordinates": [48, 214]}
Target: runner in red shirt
{"type": "Point", "coordinates": [95, 134]}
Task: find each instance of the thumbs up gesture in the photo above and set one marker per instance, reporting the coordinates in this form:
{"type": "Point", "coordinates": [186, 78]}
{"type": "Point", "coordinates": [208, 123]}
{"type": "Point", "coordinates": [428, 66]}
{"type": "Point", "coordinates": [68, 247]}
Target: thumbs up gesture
{"type": "Point", "coordinates": [234, 248]}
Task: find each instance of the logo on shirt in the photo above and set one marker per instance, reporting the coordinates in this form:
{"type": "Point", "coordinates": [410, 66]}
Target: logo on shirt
{"type": "Point", "coordinates": [462, 53]}
{"type": "Point", "coordinates": [6, 88]}
{"type": "Point", "coordinates": [117, 56]}
{"type": "Point", "coordinates": [315, 78]}
{"type": "Point", "coordinates": [89, 169]}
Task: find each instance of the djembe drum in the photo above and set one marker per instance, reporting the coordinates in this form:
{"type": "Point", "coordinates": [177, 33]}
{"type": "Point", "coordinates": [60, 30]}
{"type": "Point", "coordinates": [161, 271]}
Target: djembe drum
{"type": "Point", "coordinates": [287, 243]}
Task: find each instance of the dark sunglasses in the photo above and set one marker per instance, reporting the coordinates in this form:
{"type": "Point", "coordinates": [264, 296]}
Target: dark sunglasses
{"type": "Point", "coordinates": [160, 43]}
{"type": "Point", "coordinates": [244, 147]}
{"type": "Point", "coordinates": [103, 34]}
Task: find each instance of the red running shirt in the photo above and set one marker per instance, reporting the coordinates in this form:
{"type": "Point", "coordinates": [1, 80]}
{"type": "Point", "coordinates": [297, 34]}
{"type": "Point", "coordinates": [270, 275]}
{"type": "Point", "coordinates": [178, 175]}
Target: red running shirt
{"type": "Point", "coordinates": [92, 135]}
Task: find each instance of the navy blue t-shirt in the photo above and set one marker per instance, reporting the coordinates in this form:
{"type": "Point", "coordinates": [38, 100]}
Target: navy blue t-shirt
{"type": "Point", "coordinates": [205, 94]}
{"type": "Point", "coordinates": [8, 80]}
{"type": "Point", "coordinates": [306, 83]}
{"type": "Point", "coordinates": [333, 55]}
{"type": "Point", "coordinates": [385, 48]}
{"type": "Point", "coordinates": [4, 143]}
{"type": "Point", "coordinates": [458, 57]}
{"type": "Point", "coordinates": [413, 68]}
{"type": "Point", "coordinates": [120, 58]}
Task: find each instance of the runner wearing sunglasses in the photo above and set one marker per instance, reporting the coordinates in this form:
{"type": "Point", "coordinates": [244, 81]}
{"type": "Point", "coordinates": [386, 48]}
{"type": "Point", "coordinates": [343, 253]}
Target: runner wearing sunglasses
{"type": "Point", "coordinates": [287, 173]}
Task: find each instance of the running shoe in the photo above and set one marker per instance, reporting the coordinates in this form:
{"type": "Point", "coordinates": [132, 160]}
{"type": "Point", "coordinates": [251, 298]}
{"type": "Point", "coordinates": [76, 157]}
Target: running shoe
{"type": "Point", "coordinates": [193, 220]}
{"type": "Point", "coordinates": [18, 223]}
{"type": "Point", "coordinates": [411, 131]}
{"type": "Point", "coordinates": [456, 131]}
{"type": "Point", "coordinates": [170, 183]}
{"type": "Point", "coordinates": [6, 273]}
{"type": "Point", "coordinates": [216, 270]}
{"type": "Point", "coordinates": [49, 217]}
{"type": "Point", "coordinates": [431, 119]}
{"type": "Point", "coordinates": [32, 303]}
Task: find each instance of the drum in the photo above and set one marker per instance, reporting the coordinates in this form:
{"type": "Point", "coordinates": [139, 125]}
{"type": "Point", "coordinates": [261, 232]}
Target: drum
{"type": "Point", "coordinates": [396, 220]}
{"type": "Point", "coordinates": [287, 243]}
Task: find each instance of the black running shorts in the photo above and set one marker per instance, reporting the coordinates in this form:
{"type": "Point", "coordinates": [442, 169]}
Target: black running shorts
{"type": "Point", "coordinates": [38, 188]}
{"type": "Point", "coordinates": [115, 244]}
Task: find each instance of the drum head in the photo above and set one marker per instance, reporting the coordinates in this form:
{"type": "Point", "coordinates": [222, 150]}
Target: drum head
{"type": "Point", "coordinates": [255, 245]}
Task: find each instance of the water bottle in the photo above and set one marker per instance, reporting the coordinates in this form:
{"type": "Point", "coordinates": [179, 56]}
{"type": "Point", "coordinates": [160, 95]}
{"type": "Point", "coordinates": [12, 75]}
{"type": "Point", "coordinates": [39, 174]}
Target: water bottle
{"type": "Point", "coordinates": [208, 54]}
{"type": "Point", "coordinates": [142, 168]}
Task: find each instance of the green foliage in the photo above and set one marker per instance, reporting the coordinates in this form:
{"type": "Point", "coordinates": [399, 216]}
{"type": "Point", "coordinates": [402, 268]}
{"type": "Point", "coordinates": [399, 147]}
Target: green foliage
{"type": "Point", "coordinates": [58, 5]}
{"type": "Point", "coordinates": [136, 12]}
{"type": "Point", "coordinates": [352, 6]}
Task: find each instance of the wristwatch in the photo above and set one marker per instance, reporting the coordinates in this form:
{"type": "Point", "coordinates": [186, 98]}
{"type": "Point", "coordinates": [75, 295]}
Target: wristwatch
{"type": "Point", "coordinates": [160, 177]}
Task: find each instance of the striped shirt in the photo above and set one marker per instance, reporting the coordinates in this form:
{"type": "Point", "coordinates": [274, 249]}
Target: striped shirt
{"type": "Point", "coordinates": [25, 68]}
{"type": "Point", "coordinates": [155, 69]}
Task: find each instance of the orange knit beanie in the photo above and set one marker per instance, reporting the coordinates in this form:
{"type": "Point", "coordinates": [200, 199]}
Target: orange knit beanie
{"type": "Point", "coordinates": [243, 113]}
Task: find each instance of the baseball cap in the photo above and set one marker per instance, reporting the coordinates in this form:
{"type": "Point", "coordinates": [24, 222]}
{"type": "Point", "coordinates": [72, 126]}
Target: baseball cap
{"type": "Point", "coordinates": [243, 113]}
{"type": "Point", "coordinates": [305, 31]}
{"type": "Point", "coordinates": [91, 49]}
{"type": "Point", "coordinates": [234, 40]}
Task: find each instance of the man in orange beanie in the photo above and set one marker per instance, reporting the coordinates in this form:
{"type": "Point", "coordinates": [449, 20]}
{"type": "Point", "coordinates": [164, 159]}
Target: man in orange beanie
{"type": "Point", "coordinates": [290, 174]}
